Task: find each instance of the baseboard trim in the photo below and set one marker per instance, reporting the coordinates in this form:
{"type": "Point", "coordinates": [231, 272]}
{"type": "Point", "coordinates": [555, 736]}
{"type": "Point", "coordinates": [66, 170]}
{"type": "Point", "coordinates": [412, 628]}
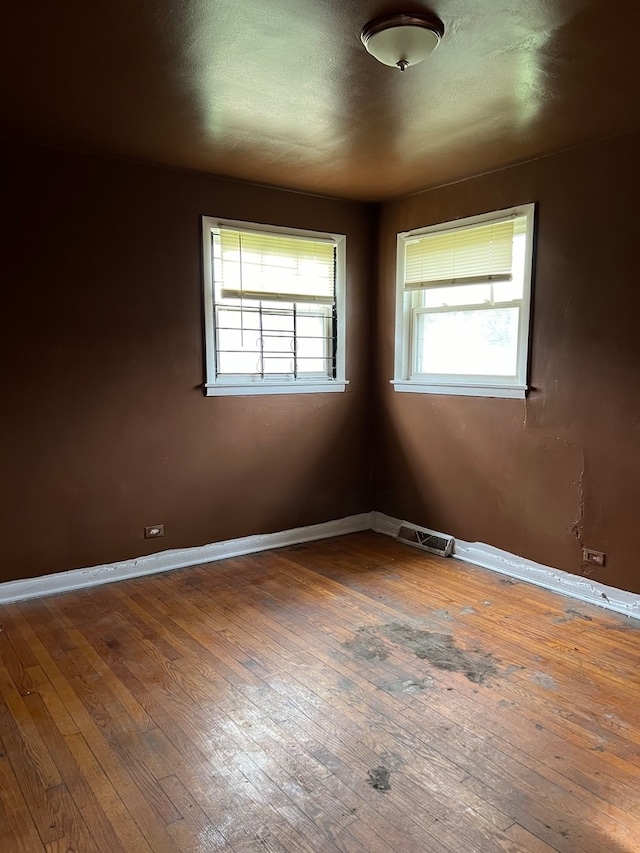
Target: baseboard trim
{"type": "Point", "coordinates": [488, 557]}
{"type": "Point", "coordinates": [385, 524]}
{"type": "Point", "coordinates": [574, 586]}
{"type": "Point", "coordinates": [178, 559]}
{"type": "Point", "coordinates": [474, 553]}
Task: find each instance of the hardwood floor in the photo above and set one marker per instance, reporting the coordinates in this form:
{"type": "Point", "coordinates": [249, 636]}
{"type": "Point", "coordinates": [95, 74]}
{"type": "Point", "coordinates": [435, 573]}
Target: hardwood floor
{"type": "Point", "coordinates": [351, 695]}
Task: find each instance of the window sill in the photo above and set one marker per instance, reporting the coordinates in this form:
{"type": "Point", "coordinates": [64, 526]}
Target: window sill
{"type": "Point", "coordinates": [246, 389]}
{"type": "Point", "coordinates": [518, 392]}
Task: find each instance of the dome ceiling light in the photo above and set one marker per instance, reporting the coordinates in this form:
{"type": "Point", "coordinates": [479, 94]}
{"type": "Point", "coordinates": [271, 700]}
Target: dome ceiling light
{"type": "Point", "coordinates": [402, 40]}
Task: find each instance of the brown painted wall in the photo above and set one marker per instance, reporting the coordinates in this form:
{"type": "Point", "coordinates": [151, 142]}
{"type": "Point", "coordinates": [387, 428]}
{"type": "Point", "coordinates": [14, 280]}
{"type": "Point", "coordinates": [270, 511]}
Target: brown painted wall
{"type": "Point", "coordinates": [104, 427]}
{"type": "Point", "coordinates": [537, 478]}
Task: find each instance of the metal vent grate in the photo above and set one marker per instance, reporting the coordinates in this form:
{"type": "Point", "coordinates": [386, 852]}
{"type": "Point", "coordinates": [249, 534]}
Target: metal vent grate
{"type": "Point", "coordinates": [427, 540]}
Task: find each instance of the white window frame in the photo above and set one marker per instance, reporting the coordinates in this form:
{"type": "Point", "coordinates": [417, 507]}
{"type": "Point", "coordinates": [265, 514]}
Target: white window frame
{"type": "Point", "coordinates": [215, 385]}
{"type": "Point", "coordinates": [469, 385]}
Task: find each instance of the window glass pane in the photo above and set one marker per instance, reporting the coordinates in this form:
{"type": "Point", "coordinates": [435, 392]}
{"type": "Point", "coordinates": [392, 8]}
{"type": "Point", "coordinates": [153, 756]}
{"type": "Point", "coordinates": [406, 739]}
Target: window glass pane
{"type": "Point", "coordinates": [476, 343]}
{"type": "Point", "coordinates": [277, 322]}
{"type": "Point", "coordinates": [277, 344]}
{"type": "Point", "coordinates": [238, 362]}
{"type": "Point", "coordinates": [312, 327]}
{"type": "Point", "coordinates": [466, 294]}
{"type": "Point", "coordinates": [232, 318]}
{"type": "Point", "coordinates": [314, 345]}
{"type": "Point", "coordinates": [236, 340]}
{"type": "Point", "coordinates": [241, 342]}
{"type": "Point", "coordinates": [312, 351]}
{"type": "Point", "coordinates": [278, 364]}
{"type": "Point", "coordinates": [317, 366]}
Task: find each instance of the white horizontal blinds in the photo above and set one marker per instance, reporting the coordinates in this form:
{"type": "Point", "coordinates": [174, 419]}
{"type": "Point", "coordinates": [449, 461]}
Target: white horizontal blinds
{"type": "Point", "coordinates": [520, 225]}
{"type": "Point", "coordinates": [274, 267]}
{"type": "Point", "coordinates": [460, 256]}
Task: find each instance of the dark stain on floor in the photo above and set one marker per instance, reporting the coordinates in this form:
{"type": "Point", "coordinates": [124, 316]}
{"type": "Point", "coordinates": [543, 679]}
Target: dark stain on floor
{"type": "Point", "coordinates": [368, 644]}
{"type": "Point", "coordinates": [379, 779]}
{"type": "Point", "coordinates": [441, 651]}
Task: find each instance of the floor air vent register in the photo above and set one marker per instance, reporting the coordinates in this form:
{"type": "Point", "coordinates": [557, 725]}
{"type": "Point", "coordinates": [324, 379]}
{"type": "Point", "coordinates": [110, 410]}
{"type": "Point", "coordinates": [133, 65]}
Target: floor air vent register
{"type": "Point", "coordinates": [426, 540]}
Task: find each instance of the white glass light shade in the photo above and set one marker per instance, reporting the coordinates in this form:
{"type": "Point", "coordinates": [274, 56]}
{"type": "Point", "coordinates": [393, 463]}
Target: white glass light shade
{"type": "Point", "coordinates": [402, 40]}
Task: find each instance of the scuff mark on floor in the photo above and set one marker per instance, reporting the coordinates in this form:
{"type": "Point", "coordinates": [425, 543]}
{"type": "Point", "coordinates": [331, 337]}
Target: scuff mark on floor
{"type": "Point", "coordinates": [578, 614]}
{"type": "Point", "coordinates": [467, 611]}
{"type": "Point", "coordinates": [543, 679]}
{"type": "Point", "coordinates": [442, 614]}
{"type": "Point", "coordinates": [407, 685]}
{"type": "Point", "coordinates": [570, 614]}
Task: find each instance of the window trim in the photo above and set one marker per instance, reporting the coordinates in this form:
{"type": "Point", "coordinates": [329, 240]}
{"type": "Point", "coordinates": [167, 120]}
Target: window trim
{"type": "Point", "coordinates": [469, 385]}
{"type": "Point", "coordinates": [215, 386]}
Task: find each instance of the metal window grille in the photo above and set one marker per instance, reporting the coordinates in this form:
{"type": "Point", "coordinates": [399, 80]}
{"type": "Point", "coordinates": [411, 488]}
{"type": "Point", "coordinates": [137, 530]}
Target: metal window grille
{"type": "Point", "coordinates": [274, 306]}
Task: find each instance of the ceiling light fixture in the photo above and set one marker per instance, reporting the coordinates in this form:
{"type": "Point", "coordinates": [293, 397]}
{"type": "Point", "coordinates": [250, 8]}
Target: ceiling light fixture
{"type": "Point", "coordinates": [402, 40]}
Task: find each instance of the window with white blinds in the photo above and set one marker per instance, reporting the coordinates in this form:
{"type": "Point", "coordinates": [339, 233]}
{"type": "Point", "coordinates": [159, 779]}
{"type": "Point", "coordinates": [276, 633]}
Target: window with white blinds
{"type": "Point", "coordinates": [463, 305]}
{"type": "Point", "coordinates": [274, 309]}
{"type": "Point", "coordinates": [276, 267]}
{"type": "Point", "coordinates": [461, 256]}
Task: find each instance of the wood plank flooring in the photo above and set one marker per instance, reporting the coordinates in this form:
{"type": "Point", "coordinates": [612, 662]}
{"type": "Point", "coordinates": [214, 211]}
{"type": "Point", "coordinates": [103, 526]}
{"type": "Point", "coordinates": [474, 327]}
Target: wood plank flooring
{"type": "Point", "coordinates": [351, 695]}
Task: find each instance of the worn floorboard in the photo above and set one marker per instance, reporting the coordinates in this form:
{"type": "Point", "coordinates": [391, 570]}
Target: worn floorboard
{"type": "Point", "coordinates": [352, 695]}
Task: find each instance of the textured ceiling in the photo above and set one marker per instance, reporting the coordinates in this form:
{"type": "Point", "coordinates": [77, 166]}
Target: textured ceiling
{"type": "Point", "coordinates": [282, 91]}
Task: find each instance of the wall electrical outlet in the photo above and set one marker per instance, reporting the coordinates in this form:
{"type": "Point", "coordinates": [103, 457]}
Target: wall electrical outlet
{"type": "Point", "coordinates": [154, 531]}
{"type": "Point", "coordinates": [591, 556]}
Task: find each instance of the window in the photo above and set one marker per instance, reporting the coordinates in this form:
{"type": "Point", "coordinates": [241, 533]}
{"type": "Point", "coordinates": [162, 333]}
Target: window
{"type": "Point", "coordinates": [274, 309]}
{"type": "Point", "coordinates": [462, 315]}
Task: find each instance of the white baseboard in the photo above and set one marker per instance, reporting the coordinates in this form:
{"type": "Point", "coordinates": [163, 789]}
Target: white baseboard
{"type": "Point", "coordinates": [488, 557]}
{"type": "Point", "coordinates": [381, 523]}
{"type": "Point", "coordinates": [178, 559]}
{"type": "Point", "coordinates": [475, 553]}
{"type": "Point", "coordinates": [593, 592]}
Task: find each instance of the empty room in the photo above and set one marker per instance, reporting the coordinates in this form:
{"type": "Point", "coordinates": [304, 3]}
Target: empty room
{"type": "Point", "coordinates": [320, 427]}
